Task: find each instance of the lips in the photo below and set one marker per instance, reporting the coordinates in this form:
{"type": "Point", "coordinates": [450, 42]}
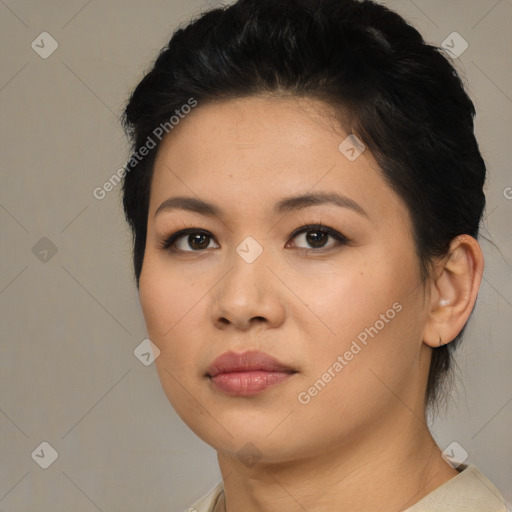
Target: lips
{"type": "Point", "coordinates": [247, 373]}
{"type": "Point", "coordinates": [244, 362]}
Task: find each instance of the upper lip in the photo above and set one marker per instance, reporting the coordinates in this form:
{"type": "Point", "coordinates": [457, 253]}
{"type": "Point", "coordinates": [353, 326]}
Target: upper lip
{"type": "Point", "coordinates": [246, 361]}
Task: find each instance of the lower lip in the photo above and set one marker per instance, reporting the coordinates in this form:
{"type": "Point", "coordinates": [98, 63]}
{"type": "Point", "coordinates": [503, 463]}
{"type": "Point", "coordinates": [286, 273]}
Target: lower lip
{"type": "Point", "coordinates": [247, 383]}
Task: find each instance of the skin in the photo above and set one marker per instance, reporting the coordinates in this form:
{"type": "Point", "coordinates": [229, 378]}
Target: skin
{"type": "Point", "coordinates": [362, 442]}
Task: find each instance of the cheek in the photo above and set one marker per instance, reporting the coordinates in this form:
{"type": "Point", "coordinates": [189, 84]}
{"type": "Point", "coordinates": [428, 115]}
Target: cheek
{"type": "Point", "coordinates": [338, 303]}
{"type": "Point", "coordinates": [165, 299]}
{"type": "Point", "coordinates": [370, 305]}
{"type": "Point", "coordinates": [173, 313]}
{"type": "Point", "coordinates": [166, 304]}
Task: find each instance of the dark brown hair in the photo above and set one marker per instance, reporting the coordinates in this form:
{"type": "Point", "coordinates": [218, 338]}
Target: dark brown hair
{"type": "Point", "coordinates": [401, 96]}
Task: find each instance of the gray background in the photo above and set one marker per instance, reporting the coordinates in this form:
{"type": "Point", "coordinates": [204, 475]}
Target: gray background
{"type": "Point", "coordinates": [70, 321]}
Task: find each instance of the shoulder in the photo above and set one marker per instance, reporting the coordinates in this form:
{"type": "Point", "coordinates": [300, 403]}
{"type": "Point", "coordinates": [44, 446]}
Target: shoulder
{"type": "Point", "coordinates": [469, 490]}
{"type": "Point", "coordinates": [208, 501]}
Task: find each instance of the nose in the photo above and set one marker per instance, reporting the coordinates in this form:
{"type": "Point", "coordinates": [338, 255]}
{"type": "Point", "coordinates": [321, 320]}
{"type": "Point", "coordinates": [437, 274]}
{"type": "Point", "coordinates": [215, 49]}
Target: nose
{"type": "Point", "coordinates": [248, 295]}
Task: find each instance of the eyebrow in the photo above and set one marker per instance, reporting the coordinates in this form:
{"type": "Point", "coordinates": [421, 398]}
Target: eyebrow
{"type": "Point", "coordinates": [286, 205]}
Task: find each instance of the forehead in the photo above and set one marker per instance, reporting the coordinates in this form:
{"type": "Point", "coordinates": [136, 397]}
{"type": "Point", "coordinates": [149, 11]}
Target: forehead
{"type": "Point", "coordinates": [252, 123]}
{"type": "Point", "coordinates": [257, 150]}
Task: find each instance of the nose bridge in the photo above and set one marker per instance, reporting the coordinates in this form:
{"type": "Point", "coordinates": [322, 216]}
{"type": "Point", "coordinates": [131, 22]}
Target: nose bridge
{"type": "Point", "coordinates": [247, 291]}
{"type": "Point", "coordinates": [247, 275]}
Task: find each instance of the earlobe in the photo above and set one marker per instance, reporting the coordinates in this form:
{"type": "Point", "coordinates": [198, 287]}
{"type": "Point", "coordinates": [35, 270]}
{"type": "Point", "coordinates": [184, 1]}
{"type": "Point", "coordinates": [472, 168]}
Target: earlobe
{"type": "Point", "coordinates": [453, 291]}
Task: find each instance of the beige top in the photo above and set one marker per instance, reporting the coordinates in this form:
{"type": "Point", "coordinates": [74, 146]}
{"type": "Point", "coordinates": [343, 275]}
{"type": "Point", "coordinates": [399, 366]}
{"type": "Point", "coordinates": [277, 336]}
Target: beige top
{"type": "Point", "coordinates": [470, 490]}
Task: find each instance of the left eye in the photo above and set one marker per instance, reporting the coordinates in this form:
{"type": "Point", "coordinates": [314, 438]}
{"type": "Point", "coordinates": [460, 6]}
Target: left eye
{"type": "Point", "coordinates": [317, 236]}
{"type": "Point", "coordinates": [314, 235]}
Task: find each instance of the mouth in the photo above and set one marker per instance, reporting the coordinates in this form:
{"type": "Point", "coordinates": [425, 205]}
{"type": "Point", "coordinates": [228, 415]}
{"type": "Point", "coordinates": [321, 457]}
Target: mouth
{"type": "Point", "coordinates": [247, 373]}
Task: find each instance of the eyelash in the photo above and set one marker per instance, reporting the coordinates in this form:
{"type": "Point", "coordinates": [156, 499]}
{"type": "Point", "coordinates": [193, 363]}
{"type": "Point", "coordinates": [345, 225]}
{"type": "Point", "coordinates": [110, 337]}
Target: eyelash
{"type": "Point", "coordinates": [167, 243]}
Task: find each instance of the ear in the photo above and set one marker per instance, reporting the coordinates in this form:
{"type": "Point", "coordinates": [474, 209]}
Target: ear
{"type": "Point", "coordinates": [453, 290]}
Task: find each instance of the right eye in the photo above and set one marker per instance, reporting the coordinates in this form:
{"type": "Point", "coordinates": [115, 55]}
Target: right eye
{"type": "Point", "coordinates": [193, 238]}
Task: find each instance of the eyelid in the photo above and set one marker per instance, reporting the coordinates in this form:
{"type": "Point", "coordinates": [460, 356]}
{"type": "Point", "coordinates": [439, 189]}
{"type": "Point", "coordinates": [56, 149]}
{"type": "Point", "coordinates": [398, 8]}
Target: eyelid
{"type": "Point", "coordinates": [333, 233]}
{"type": "Point", "coordinates": [168, 242]}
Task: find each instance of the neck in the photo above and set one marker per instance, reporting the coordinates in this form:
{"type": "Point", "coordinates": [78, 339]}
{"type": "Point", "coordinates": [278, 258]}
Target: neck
{"type": "Point", "coordinates": [387, 469]}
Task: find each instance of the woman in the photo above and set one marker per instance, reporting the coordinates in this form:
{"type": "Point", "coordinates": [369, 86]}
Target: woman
{"type": "Point", "coordinates": [305, 195]}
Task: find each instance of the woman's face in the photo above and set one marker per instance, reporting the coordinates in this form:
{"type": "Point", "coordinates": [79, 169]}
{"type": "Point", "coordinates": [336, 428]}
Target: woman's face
{"type": "Point", "coordinates": [346, 317]}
